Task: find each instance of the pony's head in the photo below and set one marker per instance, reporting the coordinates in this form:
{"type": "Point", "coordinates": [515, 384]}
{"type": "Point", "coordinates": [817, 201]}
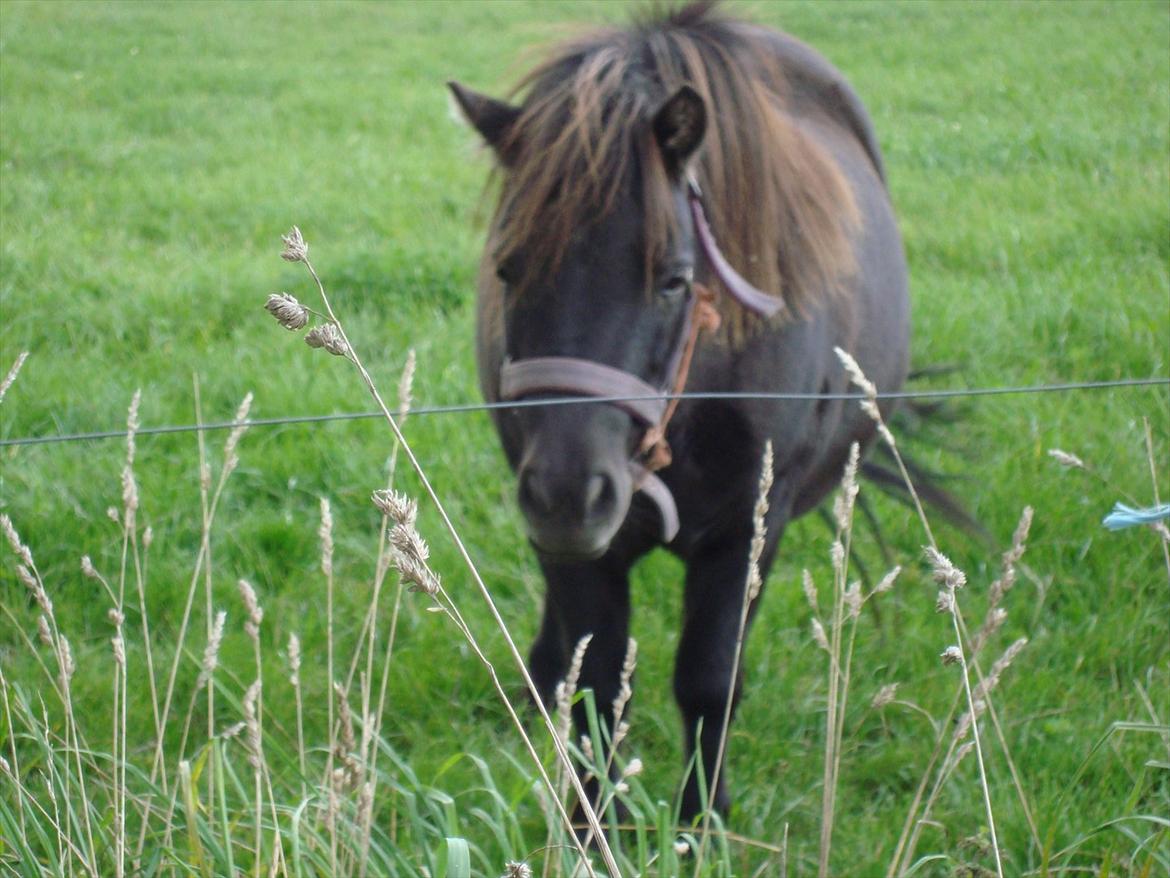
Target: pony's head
{"type": "Point", "coordinates": [594, 265]}
{"type": "Point", "coordinates": [592, 250]}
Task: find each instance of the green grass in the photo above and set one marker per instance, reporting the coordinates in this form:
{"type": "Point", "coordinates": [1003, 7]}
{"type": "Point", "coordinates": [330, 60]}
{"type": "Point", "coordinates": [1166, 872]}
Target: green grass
{"type": "Point", "coordinates": [150, 155]}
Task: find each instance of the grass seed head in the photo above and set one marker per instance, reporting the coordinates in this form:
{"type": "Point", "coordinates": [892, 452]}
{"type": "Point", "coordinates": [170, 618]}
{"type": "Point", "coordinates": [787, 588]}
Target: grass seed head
{"type": "Point", "coordinates": [625, 687]}
{"type": "Point", "coordinates": [960, 755]}
{"type": "Point", "coordinates": [1021, 533]}
{"type": "Point", "coordinates": [132, 425]}
{"type": "Point", "coordinates": [252, 724]}
{"type": "Point", "coordinates": [129, 495]}
{"type": "Point", "coordinates": [405, 386]}
{"type": "Point", "coordinates": [853, 599]}
{"type": "Point", "coordinates": [952, 655]}
{"type": "Point", "coordinates": [346, 741]}
{"type": "Point", "coordinates": [325, 533]}
{"type": "Point", "coordinates": [810, 589]}
{"type": "Point", "coordinates": [294, 660]}
{"type": "Point", "coordinates": [230, 457]}
{"type": "Point", "coordinates": [289, 313]}
{"type": "Point", "coordinates": [994, 620]}
{"type": "Point", "coordinates": [517, 870]}
{"type": "Point", "coordinates": [43, 631]}
{"type": "Point", "coordinates": [755, 580]}
{"type": "Point", "coordinates": [10, 378]}
{"type": "Point", "coordinates": [253, 608]}
{"type": "Point", "coordinates": [844, 503]}
{"type": "Point", "coordinates": [119, 651]}
{"type": "Point", "coordinates": [409, 542]}
{"type": "Point", "coordinates": [884, 696]}
{"type": "Point", "coordinates": [33, 584]}
{"type": "Point", "coordinates": [22, 551]}
{"type": "Point", "coordinates": [988, 684]}
{"type": "Point", "coordinates": [819, 636]}
{"type": "Point", "coordinates": [211, 651]}
{"type": "Point", "coordinates": [963, 725]}
{"type": "Point", "coordinates": [567, 687]}
{"type": "Point", "coordinates": [327, 336]}
{"type": "Point", "coordinates": [416, 574]}
{"type": "Point", "coordinates": [587, 750]}
{"type": "Point", "coordinates": [620, 733]}
{"type": "Point", "coordinates": [1010, 558]}
{"type": "Point", "coordinates": [401, 508]}
{"type": "Point", "coordinates": [945, 573]}
{"type": "Point", "coordinates": [999, 588]}
{"type": "Point", "coordinates": [67, 665]}
{"type": "Point", "coordinates": [856, 376]}
{"type": "Point", "coordinates": [577, 661]}
{"type": "Point", "coordinates": [887, 581]}
{"type": "Point", "coordinates": [295, 248]}
{"type": "Point", "coordinates": [365, 802]}
{"type": "Point", "coordinates": [232, 731]}
{"type": "Point", "coordinates": [1065, 459]}
{"type": "Point", "coordinates": [837, 556]}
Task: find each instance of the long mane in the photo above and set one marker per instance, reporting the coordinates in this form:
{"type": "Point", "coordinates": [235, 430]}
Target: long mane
{"type": "Point", "coordinates": [778, 203]}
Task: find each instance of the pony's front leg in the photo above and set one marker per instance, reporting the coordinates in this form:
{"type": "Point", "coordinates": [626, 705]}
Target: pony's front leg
{"type": "Point", "coordinates": [715, 590]}
{"type": "Point", "coordinates": [584, 598]}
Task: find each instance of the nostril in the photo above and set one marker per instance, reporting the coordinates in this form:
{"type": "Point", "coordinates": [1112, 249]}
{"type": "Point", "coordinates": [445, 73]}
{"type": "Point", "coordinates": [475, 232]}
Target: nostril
{"type": "Point", "coordinates": [531, 496]}
{"type": "Point", "coordinates": [594, 490]}
{"type": "Point", "coordinates": [599, 495]}
{"type": "Point", "coordinates": [575, 502]}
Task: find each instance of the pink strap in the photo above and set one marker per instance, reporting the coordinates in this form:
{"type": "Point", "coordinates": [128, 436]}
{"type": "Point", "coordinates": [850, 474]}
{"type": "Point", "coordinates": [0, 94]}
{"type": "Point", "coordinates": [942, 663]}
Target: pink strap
{"type": "Point", "coordinates": [739, 289]}
{"type": "Point", "coordinates": [655, 489]}
{"type": "Point", "coordinates": [520, 378]}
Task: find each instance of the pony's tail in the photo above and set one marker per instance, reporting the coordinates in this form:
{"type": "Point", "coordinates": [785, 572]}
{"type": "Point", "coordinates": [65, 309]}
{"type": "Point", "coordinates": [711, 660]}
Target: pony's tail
{"type": "Point", "coordinates": [881, 470]}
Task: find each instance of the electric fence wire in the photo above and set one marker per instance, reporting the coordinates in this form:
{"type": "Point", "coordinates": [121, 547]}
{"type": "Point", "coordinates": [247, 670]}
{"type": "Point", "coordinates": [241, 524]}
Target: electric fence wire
{"type": "Point", "coordinates": [942, 394]}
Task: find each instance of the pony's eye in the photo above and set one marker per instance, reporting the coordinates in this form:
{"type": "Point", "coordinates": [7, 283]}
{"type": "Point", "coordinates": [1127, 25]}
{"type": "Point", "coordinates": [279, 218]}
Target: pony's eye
{"type": "Point", "coordinates": [677, 286]}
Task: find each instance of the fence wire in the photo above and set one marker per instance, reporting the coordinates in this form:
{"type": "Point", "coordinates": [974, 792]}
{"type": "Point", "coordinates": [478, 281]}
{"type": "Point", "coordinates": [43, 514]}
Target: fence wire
{"type": "Point", "coordinates": [461, 408]}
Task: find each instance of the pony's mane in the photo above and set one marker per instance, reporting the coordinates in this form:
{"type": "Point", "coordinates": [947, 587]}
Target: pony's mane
{"type": "Point", "coordinates": [780, 207]}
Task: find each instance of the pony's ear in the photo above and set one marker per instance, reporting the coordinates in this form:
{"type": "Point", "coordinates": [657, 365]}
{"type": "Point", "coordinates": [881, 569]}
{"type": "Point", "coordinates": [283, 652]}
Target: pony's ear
{"type": "Point", "coordinates": [492, 119]}
{"type": "Point", "coordinates": [679, 125]}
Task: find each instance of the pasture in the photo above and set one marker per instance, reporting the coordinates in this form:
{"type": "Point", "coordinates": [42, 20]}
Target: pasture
{"type": "Point", "coordinates": [150, 158]}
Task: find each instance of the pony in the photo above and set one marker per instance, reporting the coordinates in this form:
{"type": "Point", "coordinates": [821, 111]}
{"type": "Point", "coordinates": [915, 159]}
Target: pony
{"type": "Point", "coordinates": [688, 172]}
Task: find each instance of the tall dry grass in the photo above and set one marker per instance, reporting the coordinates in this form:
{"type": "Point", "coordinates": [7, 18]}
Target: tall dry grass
{"type": "Point", "coordinates": [232, 796]}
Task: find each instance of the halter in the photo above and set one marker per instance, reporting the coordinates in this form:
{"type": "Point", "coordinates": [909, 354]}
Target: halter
{"type": "Point", "coordinates": [640, 400]}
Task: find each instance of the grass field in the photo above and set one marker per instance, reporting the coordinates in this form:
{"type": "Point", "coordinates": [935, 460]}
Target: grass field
{"type": "Point", "coordinates": [150, 157]}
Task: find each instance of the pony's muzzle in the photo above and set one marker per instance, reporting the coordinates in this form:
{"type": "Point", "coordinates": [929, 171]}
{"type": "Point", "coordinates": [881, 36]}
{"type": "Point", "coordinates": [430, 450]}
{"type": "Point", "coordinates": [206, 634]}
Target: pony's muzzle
{"type": "Point", "coordinates": [573, 514]}
{"type": "Point", "coordinates": [543, 495]}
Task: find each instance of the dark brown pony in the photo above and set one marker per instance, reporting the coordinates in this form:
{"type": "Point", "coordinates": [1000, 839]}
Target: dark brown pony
{"type": "Point", "coordinates": [593, 263]}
